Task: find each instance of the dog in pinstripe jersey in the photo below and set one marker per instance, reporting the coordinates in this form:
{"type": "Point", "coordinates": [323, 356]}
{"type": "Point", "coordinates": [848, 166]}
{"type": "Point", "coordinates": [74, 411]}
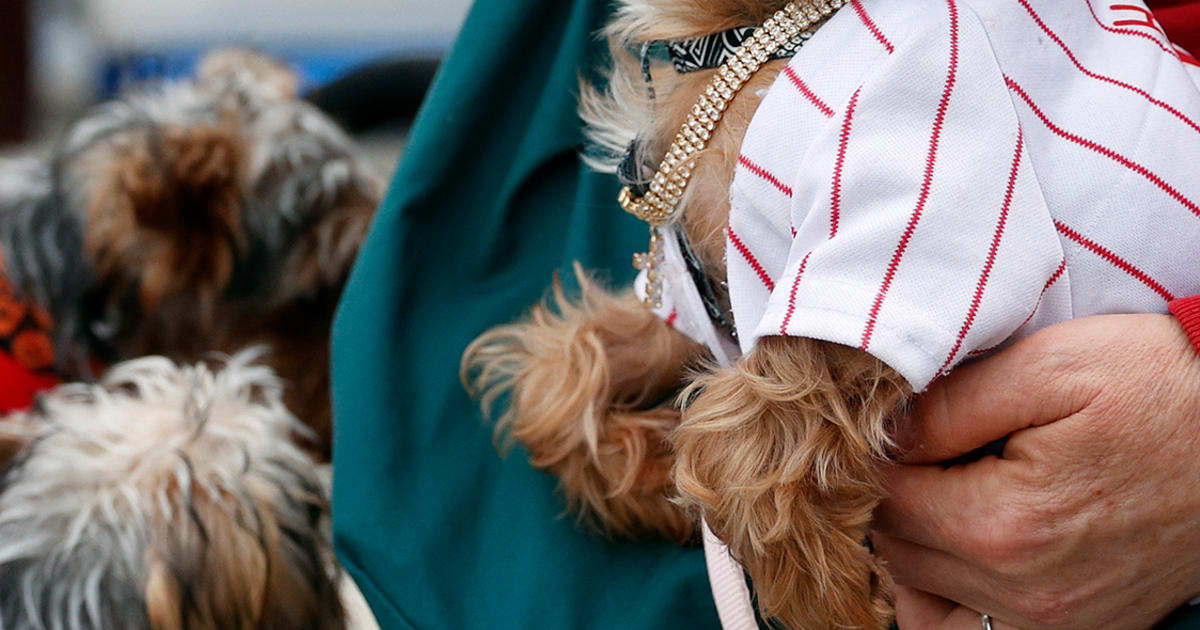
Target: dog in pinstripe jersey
{"type": "Point", "coordinates": [778, 452]}
{"type": "Point", "coordinates": [197, 216]}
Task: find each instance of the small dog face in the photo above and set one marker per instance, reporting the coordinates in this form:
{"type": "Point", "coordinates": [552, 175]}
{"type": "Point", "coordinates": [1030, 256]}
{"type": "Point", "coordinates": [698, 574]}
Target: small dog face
{"type": "Point", "coordinates": [203, 215]}
{"type": "Point", "coordinates": [164, 497]}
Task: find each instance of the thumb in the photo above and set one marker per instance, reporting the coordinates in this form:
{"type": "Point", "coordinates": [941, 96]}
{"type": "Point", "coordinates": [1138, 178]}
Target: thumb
{"type": "Point", "coordinates": [1029, 384]}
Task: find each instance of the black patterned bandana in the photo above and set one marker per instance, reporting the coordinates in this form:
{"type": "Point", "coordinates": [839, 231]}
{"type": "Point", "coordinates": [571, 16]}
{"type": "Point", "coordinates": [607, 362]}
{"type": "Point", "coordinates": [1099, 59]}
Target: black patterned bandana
{"type": "Point", "coordinates": [690, 55]}
{"type": "Point", "coordinates": [711, 51]}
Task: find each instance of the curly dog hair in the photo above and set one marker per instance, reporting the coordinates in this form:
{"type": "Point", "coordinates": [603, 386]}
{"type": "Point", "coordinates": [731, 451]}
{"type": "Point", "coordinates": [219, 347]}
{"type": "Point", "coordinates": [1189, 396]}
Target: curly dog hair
{"type": "Point", "coordinates": [592, 383]}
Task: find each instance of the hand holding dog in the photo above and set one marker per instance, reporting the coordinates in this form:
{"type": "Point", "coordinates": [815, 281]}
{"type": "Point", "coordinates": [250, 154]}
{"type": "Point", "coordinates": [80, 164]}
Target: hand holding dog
{"type": "Point", "coordinates": [1089, 519]}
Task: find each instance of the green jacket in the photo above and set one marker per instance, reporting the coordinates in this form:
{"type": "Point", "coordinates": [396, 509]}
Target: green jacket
{"type": "Point", "coordinates": [491, 198]}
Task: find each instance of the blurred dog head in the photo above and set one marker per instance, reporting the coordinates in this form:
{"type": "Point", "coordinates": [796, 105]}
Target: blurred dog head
{"type": "Point", "coordinates": [196, 195]}
{"type": "Point", "coordinates": [163, 497]}
{"type": "Point", "coordinates": [200, 215]}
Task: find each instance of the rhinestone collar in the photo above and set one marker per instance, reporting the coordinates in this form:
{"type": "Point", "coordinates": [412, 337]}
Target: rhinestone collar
{"type": "Point", "coordinates": [789, 27]}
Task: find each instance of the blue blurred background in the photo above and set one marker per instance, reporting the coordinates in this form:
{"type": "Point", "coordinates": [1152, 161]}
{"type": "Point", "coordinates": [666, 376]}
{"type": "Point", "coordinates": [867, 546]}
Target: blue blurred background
{"type": "Point", "coordinates": [367, 62]}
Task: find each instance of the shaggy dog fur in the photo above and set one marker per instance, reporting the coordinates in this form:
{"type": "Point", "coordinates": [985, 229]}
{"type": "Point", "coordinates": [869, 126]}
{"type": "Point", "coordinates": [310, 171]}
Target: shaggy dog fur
{"type": "Point", "coordinates": [590, 384]}
{"type": "Point", "coordinates": [202, 215]}
{"type": "Point", "coordinates": [779, 452]}
{"type": "Point", "coordinates": [164, 497]}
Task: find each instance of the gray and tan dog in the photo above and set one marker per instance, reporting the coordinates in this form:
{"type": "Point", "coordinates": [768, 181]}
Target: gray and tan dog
{"type": "Point", "coordinates": [201, 215]}
{"type": "Point", "coordinates": [164, 497]}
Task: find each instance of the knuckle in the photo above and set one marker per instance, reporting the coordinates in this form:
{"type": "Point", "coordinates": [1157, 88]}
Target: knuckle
{"type": "Point", "coordinates": [1052, 608]}
{"type": "Point", "coordinates": [1033, 539]}
{"type": "Point", "coordinates": [1009, 541]}
{"type": "Point", "coordinates": [1047, 347]}
{"type": "Point", "coordinates": [992, 546]}
{"type": "Point", "coordinates": [1056, 353]}
{"type": "Point", "coordinates": [1031, 480]}
{"type": "Point", "coordinates": [1058, 370]}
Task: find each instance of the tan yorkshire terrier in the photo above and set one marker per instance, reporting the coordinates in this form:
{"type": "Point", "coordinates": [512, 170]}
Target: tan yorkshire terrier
{"type": "Point", "coordinates": [195, 216]}
{"type": "Point", "coordinates": [779, 451]}
{"type": "Point", "coordinates": [896, 141]}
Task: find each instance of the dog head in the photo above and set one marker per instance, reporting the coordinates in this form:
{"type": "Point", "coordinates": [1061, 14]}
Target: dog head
{"type": "Point", "coordinates": [642, 101]}
{"type": "Point", "coordinates": [164, 497]}
{"type": "Point", "coordinates": [203, 200]}
{"type": "Point", "coordinates": [202, 215]}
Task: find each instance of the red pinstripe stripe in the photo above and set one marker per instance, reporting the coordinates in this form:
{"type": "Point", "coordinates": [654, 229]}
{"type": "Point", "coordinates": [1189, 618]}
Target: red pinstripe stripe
{"type": "Point", "coordinates": [807, 92]}
{"type": "Point", "coordinates": [672, 317]}
{"type": "Point", "coordinates": [836, 200]}
{"type": "Point", "coordinates": [1127, 31]}
{"type": "Point", "coordinates": [1105, 151]}
{"type": "Point", "coordinates": [754, 264]}
{"type": "Point", "coordinates": [764, 174]}
{"type": "Point", "coordinates": [1062, 266]}
{"type": "Point", "coordinates": [870, 24]}
{"type": "Point", "coordinates": [835, 205]}
{"type": "Point", "coordinates": [792, 298]}
{"type": "Point", "coordinates": [1100, 77]}
{"type": "Point", "coordinates": [1168, 48]}
{"type": "Point", "coordinates": [1116, 260]}
{"type": "Point", "coordinates": [939, 120]}
{"type": "Point", "coordinates": [991, 257]}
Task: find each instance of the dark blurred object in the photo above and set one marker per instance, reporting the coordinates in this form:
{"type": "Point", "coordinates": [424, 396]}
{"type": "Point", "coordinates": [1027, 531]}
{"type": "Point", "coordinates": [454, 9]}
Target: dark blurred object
{"type": "Point", "coordinates": [360, 88]}
{"type": "Point", "coordinates": [376, 94]}
{"type": "Point", "coordinates": [14, 69]}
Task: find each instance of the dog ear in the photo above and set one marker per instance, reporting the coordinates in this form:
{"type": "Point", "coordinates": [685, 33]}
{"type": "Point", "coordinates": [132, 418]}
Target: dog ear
{"type": "Point", "coordinates": [166, 213]}
{"type": "Point", "coordinates": [322, 257]}
{"type": "Point", "coordinates": [233, 563]}
{"type": "Point", "coordinates": [250, 68]}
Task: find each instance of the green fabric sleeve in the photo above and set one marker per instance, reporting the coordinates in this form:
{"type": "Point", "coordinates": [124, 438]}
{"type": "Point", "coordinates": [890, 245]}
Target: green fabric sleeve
{"type": "Point", "coordinates": [490, 199]}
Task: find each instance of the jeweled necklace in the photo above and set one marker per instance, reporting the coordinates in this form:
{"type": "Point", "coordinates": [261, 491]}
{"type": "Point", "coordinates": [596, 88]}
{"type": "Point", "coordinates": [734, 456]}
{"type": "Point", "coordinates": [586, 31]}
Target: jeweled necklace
{"type": "Point", "coordinates": [785, 30]}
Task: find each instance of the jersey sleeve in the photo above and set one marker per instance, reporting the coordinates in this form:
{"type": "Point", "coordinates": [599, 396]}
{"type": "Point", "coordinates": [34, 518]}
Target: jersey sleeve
{"type": "Point", "coordinates": [921, 233]}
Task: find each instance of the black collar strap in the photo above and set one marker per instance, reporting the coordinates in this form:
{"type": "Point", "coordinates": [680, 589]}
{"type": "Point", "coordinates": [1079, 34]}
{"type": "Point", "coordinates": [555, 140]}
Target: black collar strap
{"type": "Point", "coordinates": [712, 51]}
{"type": "Point", "coordinates": [704, 286]}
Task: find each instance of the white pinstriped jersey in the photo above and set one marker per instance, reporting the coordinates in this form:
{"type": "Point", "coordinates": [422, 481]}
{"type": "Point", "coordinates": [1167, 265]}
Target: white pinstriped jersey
{"type": "Point", "coordinates": [929, 179]}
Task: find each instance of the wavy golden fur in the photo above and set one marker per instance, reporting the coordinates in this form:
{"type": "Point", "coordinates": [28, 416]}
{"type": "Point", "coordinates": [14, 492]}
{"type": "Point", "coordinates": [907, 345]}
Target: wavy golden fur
{"type": "Point", "coordinates": [592, 384]}
{"type": "Point", "coordinates": [779, 452]}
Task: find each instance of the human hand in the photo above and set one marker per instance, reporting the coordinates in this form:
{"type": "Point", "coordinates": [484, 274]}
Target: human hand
{"type": "Point", "coordinates": [1091, 517]}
